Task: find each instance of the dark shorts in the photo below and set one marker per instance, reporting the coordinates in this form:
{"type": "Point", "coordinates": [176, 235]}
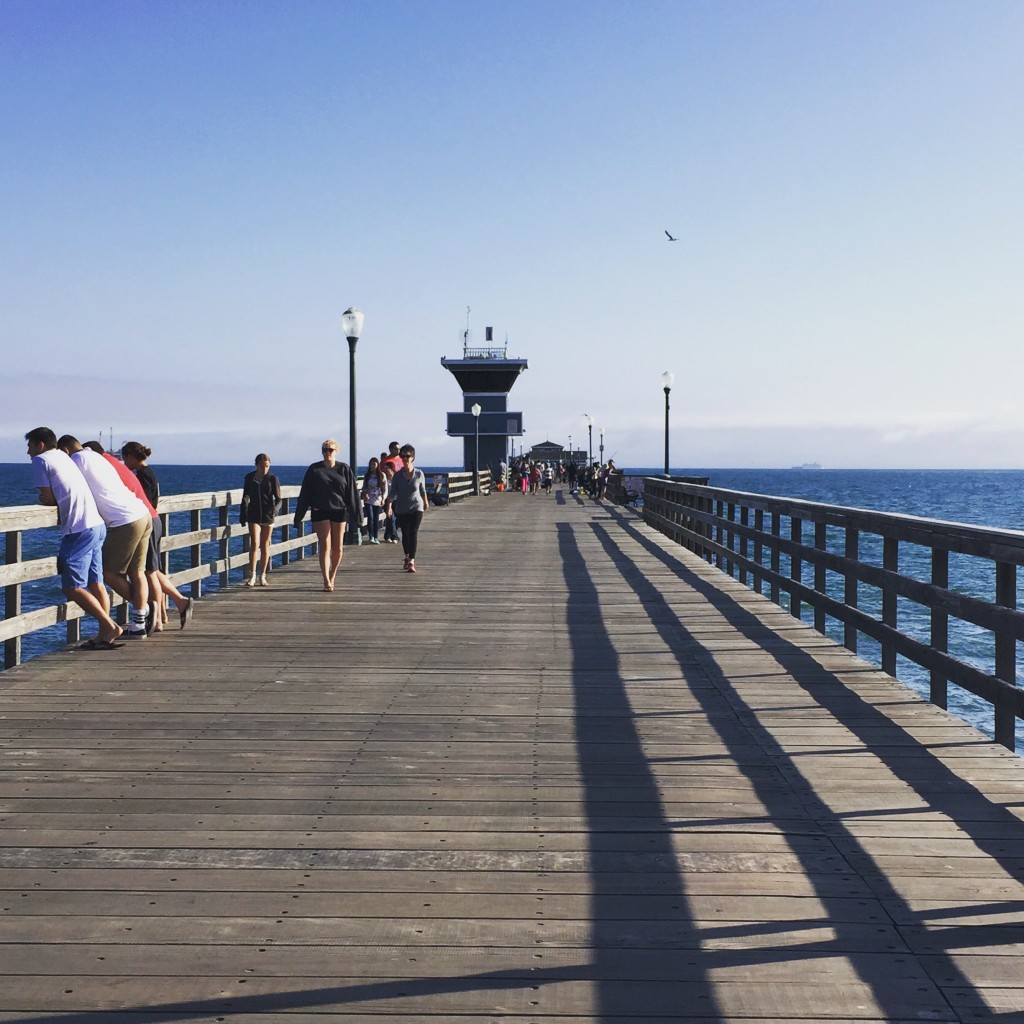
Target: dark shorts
{"type": "Point", "coordinates": [321, 516]}
{"type": "Point", "coordinates": [153, 551]}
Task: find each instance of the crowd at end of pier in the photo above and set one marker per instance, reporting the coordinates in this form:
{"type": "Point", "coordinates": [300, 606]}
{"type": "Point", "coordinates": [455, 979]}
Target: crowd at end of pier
{"type": "Point", "coordinates": [528, 477]}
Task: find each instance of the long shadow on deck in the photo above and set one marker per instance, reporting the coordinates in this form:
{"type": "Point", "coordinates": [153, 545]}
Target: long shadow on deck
{"type": "Point", "coordinates": [878, 734]}
{"type": "Point", "coordinates": [610, 753]}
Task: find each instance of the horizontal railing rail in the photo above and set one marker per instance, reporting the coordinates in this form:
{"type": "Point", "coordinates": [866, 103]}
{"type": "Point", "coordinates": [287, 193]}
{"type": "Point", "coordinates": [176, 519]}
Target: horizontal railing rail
{"type": "Point", "coordinates": [460, 484]}
{"type": "Point", "coordinates": [880, 575]}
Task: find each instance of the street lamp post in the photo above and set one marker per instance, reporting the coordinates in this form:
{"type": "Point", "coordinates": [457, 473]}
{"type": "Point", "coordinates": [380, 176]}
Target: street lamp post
{"type": "Point", "coordinates": [476, 410]}
{"type": "Point", "coordinates": [352, 322]}
{"type": "Point", "coordinates": [601, 435]}
{"type": "Point", "coordinates": [589, 420]}
{"type": "Point", "coordinates": [666, 383]}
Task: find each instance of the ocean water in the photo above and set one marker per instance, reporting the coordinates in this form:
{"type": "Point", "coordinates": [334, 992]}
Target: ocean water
{"type": "Point", "coordinates": [981, 497]}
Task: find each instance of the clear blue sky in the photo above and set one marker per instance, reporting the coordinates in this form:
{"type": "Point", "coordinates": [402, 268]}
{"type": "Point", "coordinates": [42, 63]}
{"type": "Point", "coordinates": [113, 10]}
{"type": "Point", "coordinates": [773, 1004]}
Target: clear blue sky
{"type": "Point", "coordinates": [193, 192]}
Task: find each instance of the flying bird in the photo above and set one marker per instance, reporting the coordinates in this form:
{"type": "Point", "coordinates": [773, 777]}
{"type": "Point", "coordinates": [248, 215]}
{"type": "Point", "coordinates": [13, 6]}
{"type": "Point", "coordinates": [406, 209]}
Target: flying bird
{"type": "Point", "coordinates": [671, 238]}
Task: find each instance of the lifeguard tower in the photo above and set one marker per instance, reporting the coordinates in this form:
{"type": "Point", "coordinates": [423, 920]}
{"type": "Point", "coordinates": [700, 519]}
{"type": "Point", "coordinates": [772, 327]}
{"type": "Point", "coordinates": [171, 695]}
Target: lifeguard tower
{"type": "Point", "coordinates": [486, 376]}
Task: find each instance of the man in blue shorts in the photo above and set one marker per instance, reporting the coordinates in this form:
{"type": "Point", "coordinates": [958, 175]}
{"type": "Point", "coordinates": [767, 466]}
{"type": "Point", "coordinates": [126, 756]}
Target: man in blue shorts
{"type": "Point", "coordinates": [79, 559]}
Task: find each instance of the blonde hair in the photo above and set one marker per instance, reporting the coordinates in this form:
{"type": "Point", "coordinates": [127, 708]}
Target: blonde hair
{"type": "Point", "coordinates": [330, 441]}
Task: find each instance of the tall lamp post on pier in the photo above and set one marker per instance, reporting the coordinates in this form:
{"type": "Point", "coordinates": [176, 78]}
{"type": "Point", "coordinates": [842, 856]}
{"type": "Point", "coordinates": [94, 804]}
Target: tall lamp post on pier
{"type": "Point", "coordinates": [476, 410]}
{"type": "Point", "coordinates": [601, 436]}
{"type": "Point", "coordinates": [589, 420]}
{"type": "Point", "coordinates": [352, 322]}
{"type": "Point", "coordinates": [666, 383]}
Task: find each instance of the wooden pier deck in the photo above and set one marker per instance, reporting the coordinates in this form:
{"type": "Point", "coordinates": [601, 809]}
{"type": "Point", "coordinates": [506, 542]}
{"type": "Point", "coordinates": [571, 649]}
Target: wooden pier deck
{"type": "Point", "coordinates": [566, 772]}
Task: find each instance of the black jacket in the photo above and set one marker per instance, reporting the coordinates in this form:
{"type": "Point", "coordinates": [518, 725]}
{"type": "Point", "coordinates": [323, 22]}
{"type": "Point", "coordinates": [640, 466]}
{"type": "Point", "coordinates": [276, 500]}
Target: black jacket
{"type": "Point", "coordinates": [261, 499]}
{"type": "Point", "coordinates": [328, 489]}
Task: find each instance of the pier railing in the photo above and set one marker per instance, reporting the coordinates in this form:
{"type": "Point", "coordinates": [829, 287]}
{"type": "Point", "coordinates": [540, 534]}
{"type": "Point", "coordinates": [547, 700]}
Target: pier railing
{"type": "Point", "coordinates": [202, 543]}
{"type": "Point", "coordinates": [859, 573]}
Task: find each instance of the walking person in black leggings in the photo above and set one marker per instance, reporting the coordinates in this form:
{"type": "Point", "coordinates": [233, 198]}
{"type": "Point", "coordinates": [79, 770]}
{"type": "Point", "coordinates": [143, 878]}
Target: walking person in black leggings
{"type": "Point", "coordinates": [407, 499]}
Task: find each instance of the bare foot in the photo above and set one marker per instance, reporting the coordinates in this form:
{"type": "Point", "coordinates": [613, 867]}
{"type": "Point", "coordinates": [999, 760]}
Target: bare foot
{"type": "Point", "coordinates": [110, 637]}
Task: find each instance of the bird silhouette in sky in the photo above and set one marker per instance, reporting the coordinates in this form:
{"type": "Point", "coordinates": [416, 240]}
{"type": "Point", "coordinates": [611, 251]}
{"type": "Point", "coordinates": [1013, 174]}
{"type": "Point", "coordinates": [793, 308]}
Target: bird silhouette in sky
{"type": "Point", "coordinates": [671, 238]}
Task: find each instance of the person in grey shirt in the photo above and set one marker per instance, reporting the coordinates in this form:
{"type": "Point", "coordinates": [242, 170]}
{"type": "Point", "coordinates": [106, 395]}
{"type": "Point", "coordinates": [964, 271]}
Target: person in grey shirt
{"type": "Point", "coordinates": [407, 499]}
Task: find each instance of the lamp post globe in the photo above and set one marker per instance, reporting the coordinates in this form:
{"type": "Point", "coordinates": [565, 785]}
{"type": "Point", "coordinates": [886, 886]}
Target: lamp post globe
{"type": "Point", "coordinates": [352, 324]}
{"type": "Point", "coordinates": [476, 409]}
{"type": "Point", "coordinates": [666, 383]}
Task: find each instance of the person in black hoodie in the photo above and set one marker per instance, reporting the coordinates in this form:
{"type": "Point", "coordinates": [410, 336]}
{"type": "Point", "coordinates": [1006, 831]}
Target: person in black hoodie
{"type": "Point", "coordinates": [261, 499]}
{"type": "Point", "coordinates": [329, 493]}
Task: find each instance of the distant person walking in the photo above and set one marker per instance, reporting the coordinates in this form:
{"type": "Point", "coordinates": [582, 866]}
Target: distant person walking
{"type": "Point", "coordinates": [390, 524]}
{"type": "Point", "coordinates": [82, 532]}
{"type": "Point", "coordinates": [329, 494]}
{"type": "Point", "coordinates": [261, 499]}
{"type": "Point", "coordinates": [375, 490]}
{"type": "Point", "coordinates": [407, 499]}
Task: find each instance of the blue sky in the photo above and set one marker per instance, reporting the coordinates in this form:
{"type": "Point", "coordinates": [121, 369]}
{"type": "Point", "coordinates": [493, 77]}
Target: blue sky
{"type": "Point", "coordinates": [192, 193]}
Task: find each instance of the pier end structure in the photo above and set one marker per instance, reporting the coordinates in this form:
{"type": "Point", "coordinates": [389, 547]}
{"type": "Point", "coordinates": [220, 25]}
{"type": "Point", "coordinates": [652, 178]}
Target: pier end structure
{"type": "Point", "coordinates": [486, 375]}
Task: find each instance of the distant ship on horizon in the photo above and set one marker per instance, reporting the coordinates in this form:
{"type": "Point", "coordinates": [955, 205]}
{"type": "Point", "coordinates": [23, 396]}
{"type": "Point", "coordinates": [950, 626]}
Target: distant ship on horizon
{"type": "Point", "coordinates": [808, 465]}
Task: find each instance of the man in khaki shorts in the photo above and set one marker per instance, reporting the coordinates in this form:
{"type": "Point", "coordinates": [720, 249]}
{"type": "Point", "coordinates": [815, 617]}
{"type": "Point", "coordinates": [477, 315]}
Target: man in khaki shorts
{"type": "Point", "coordinates": [128, 528]}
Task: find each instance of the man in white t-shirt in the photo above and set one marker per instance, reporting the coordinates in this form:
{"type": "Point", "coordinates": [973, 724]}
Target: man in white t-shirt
{"type": "Point", "coordinates": [129, 526]}
{"type": "Point", "coordinates": [79, 560]}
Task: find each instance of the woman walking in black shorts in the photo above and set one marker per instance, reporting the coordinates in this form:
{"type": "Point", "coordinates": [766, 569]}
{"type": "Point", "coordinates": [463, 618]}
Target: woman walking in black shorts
{"type": "Point", "coordinates": [329, 492]}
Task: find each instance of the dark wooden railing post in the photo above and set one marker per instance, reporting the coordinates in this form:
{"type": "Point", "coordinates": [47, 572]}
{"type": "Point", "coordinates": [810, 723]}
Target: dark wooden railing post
{"type": "Point", "coordinates": [12, 598]}
{"type": "Point", "coordinates": [1006, 653]}
{"type": "Point", "coordinates": [890, 561]}
{"type": "Point", "coordinates": [776, 555]}
{"type": "Point", "coordinates": [851, 550]}
{"type": "Point", "coordinates": [796, 564]}
{"type": "Point", "coordinates": [743, 545]}
{"type": "Point", "coordinates": [719, 532]}
{"type": "Point", "coordinates": [730, 537]}
{"type": "Point", "coordinates": [758, 580]}
{"type": "Point", "coordinates": [937, 682]}
{"type": "Point", "coordinates": [820, 581]}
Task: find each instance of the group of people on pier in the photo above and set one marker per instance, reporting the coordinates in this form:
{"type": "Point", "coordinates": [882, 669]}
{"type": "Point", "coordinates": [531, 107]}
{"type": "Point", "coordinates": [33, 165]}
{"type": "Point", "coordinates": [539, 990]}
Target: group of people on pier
{"type": "Point", "coordinates": [529, 477]}
{"type": "Point", "coordinates": [392, 491]}
{"type": "Point", "coordinates": [110, 533]}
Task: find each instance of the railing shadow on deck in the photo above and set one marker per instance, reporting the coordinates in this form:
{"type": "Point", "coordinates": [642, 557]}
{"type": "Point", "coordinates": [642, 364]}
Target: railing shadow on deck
{"type": "Point", "coordinates": [901, 582]}
{"type": "Point", "coordinates": [877, 733]}
{"type": "Point", "coordinates": [340, 997]}
{"type": "Point", "coordinates": [596, 674]}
